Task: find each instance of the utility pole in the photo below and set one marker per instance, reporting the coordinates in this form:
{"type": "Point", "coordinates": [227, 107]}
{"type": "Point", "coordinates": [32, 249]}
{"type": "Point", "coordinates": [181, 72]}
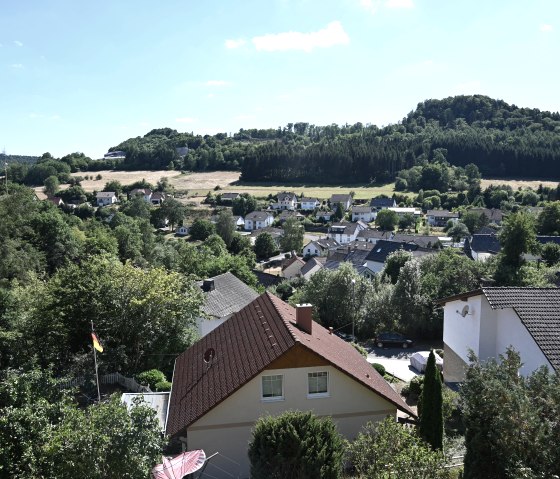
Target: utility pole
{"type": "Point", "coordinates": [353, 308]}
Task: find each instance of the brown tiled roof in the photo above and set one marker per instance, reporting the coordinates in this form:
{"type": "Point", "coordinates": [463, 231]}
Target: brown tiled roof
{"type": "Point", "coordinates": [537, 308]}
{"type": "Point", "coordinates": [245, 345]}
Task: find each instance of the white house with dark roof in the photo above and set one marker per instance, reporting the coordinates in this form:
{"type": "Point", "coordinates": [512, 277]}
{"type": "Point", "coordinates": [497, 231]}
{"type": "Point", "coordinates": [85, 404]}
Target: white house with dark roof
{"type": "Point", "coordinates": [145, 193]}
{"type": "Point", "coordinates": [345, 232]}
{"type": "Point", "coordinates": [319, 247]}
{"type": "Point", "coordinates": [379, 204]}
{"type": "Point", "coordinates": [285, 200]}
{"type": "Point", "coordinates": [344, 199]}
{"type": "Point", "coordinates": [105, 198]}
{"type": "Point", "coordinates": [440, 218]}
{"type": "Point", "coordinates": [267, 359]}
{"type": "Point", "coordinates": [489, 320]}
{"type": "Point", "coordinates": [258, 220]}
{"type": "Point", "coordinates": [309, 204]}
{"type": "Point", "coordinates": [363, 213]}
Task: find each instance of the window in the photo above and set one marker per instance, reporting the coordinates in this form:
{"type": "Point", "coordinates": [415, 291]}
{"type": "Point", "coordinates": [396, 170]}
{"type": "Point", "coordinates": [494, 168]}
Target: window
{"type": "Point", "coordinates": [272, 387]}
{"type": "Point", "coordinates": [318, 383]}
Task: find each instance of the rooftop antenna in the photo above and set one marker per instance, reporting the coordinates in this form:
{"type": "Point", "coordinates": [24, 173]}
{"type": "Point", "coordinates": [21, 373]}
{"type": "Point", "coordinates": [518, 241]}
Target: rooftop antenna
{"type": "Point", "coordinates": [465, 311]}
{"type": "Point", "coordinates": [208, 357]}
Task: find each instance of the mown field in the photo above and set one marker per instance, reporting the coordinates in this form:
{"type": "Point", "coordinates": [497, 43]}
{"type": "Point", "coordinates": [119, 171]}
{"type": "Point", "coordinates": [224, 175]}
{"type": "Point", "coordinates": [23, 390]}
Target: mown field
{"type": "Point", "coordinates": [199, 184]}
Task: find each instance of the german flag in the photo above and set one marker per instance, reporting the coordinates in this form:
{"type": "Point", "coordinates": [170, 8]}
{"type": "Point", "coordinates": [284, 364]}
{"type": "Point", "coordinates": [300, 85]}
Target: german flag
{"type": "Point", "coordinates": [96, 343]}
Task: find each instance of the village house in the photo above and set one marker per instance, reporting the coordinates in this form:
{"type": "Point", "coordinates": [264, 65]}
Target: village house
{"type": "Point", "coordinates": [224, 295]}
{"type": "Point", "coordinates": [345, 232]}
{"type": "Point", "coordinates": [401, 211]}
{"type": "Point", "coordinates": [229, 197]}
{"type": "Point", "coordinates": [363, 213]}
{"type": "Point", "coordinates": [145, 193]}
{"type": "Point", "coordinates": [379, 204]}
{"type": "Point", "coordinates": [439, 218]}
{"type": "Point", "coordinates": [284, 215]}
{"type": "Point", "coordinates": [324, 215]}
{"type": "Point", "coordinates": [292, 267]}
{"type": "Point", "coordinates": [105, 198]}
{"type": "Point", "coordinates": [345, 200]}
{"type": "Point", "coordinates": [309, 204]}
{"type": "Point", "coordinates": [285, 201]}
{"type": "Point", "coordinates": [480, 247]}
{"type": "Point", "coordinates": [158, 197]}
{"type": "Point", "coordinates": [494, 215]}
{"type": "Point", "coordinates": [314, 265]}
{"type": "Point", "coordinates": [182, 231]}
{"type": "Point", "coordinates": [267, 359]}
{"type": "Point", "coordinates": [319, 247]}
{"type": "Point", "coordinates": [489, 320]}
{"type": "Point", "coordinates": [377, 257]}
{"type": "Point", "coordinates": [257, 220]}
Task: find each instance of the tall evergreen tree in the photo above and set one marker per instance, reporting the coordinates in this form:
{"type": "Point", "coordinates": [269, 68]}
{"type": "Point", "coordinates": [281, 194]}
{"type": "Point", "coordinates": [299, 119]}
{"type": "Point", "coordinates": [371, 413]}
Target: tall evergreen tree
{"type": "Point", "coordinates": [431, 416]}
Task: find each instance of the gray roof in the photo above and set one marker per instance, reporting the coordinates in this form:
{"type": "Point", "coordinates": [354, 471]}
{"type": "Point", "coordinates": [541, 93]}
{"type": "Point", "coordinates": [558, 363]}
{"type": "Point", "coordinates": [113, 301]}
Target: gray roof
{"type": "Point", "coordinates": [229, 196]}
{"type": "Point", "coordinates": [366, 234]}
{"type": "Point", "coordinates": [361, 209]}
{"type": "Point", "coordinates": [538, 309]}
{"type": "Point", "coordinates": [312, 263]}
{"type": "Point", "coordinates": [308, 200]}
{"type": "Point", "coordinates": [382, 202]}
{"type": "Point", "coordinates": [257, 216]}
{"type": "Point", "coordinates": [442, 214]}
{"type": "Point", "coordinates": [493, 214]}
{"type": "Point", "coordinates": [384, 248]}
{"type": "Point", "coordinates": [340, 198]}
{"type": "Point", "coordinates": [228, 296]}
{"type": "Point", "coordinates": [105, 194]}
{"type": "Point", "coordinates": [424, 241]}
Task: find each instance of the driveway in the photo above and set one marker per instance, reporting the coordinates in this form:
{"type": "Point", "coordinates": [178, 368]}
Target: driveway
{"type": "Point", "coordinates": [397, 360]}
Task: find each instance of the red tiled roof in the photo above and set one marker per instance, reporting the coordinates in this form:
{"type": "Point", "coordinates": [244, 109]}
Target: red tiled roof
{"type": "Point", "coordinates": [245, 345]}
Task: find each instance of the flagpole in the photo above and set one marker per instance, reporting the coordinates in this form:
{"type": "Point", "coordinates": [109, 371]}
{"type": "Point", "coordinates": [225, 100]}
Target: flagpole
{"type": "Point", "coordinates": [96, 374]}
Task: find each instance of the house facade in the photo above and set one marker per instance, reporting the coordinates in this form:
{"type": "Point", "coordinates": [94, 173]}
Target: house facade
{"type": "Point", "coordinates": [363, 213]}
{"type": "Point", "coordinates": [285, 201]}
{"type": "Point", "coordinates": [439, 218]}
{"type": "Point", "coordinates": [345, 200]}
{"type": "Point", "coordinates": [257, 220]}
{"type": "Point", "coordinates": [320, 247]}
{"type": "Point", "coordinates": [105, 198]}
{"type": "Point", "coordinates": [379, 204]}
{"type": "Point", "coordinates": [345, 232]}
{"type": "Point", "coordinates": [489, 320]}
{"type": "Point", "coordinates": [309, 204]}
{"type": "Point", "coordinates": [145, 193]}
{"type": "Point", "coordinates": [281, 360]}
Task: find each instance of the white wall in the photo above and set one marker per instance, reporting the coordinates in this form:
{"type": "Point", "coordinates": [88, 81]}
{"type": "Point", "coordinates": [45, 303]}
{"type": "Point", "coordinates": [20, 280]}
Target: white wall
{"type": "Point", "coordinates": [205, 325]}
{"type": "Point", "coordinates": [227, 428]}
{"type": "Point", "coordinates": [460, 333]}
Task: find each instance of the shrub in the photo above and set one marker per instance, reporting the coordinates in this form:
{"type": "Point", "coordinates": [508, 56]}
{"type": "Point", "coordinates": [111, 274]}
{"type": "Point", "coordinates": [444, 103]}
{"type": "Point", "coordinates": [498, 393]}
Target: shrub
{"type": "Point", "coordinates": [379, 368]}
{"type": "Point", "coordinates": [296, 444]}
{"type": "Point", "coordinates": [151, 377]}
{"type": "Point", "coordinates": [414, 387]}
{"type": "Point", "coordinates": [163, 386]}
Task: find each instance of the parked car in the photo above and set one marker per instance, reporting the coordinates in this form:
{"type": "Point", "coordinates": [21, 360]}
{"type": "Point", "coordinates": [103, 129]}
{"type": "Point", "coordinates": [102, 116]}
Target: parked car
{"type": "Point", "coordinates": [419, 361]}
{"type": "Point", "coordinates": [392, 339]}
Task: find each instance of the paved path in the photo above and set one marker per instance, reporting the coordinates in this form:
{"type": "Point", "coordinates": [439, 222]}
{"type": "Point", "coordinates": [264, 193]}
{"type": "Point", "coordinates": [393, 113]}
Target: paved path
{"type": "Point", "coordinates": [399, 368]}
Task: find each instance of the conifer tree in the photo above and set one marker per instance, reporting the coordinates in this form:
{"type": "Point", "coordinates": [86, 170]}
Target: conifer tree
{"type": "Point", "coordinates": [431, 417]}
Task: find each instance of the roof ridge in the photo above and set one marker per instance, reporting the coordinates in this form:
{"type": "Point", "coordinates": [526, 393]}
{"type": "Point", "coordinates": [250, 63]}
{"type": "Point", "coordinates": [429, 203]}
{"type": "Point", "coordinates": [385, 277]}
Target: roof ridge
{"type": "Point", "coordinates": [286, 321]}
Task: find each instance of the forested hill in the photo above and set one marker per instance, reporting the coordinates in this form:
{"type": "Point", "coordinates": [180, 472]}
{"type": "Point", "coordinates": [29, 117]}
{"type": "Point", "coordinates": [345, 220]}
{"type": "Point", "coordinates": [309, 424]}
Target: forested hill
{"type": "Point", "coordinates": [501, 139]}
{"type": "Point", "coordinates": [17, 159]}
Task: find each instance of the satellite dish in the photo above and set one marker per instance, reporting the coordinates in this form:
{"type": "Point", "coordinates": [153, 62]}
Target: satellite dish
{"type": "Point", "coordinates": [209, 355]}
{"type": "Point", "coordinates": [465, 310]}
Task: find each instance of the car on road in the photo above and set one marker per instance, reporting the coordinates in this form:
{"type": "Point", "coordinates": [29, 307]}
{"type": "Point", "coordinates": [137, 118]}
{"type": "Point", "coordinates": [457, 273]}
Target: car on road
{"type": "Point", "coordinates": [393, 339]}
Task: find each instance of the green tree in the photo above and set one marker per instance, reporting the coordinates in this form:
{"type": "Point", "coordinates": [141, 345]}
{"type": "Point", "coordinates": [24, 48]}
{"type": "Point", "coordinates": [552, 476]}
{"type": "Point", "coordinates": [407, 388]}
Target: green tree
{"type": "Point", "coordinates": [114, 185]}
{"type": "Point", "coordinates": [239, 243]}
{"type": "Point", "coordinates": [517, 237]}
{"type": "Point", "coordinates": [511, 421]}
{"type": "Point", "coordinates": [201, 229]}
{"type": "Point", "coordinates": [225, 226]}
{"type": "Point", "coordinates": [51, 185]}
{"type": "Point", "coordinates": [458, 231]}
{"type": "Point", "coordinates": [338, 212]}
{"type": "Point", "coordinates": [292, 239]}
{"type": "Point", "coordinates": [296, 445]}
{"type": "Point", "coordinates": [174, 211]}
{"type": "Point", "coordinates": [549, 219]}
{"type": "Point", "coordinates": [395, 261]}
{"type": "Point", "coordinates": [137, 207]}
{"type": "Point", "coordinates": [474, 221]}
{"type": "Point", "coordinates": [431, 411]}
{"type": "Point", "coordinates": [387, 449]}
{"type": "Point", "coordinates": [244, 204]}
{"type": "Point", "coordinates": [550, 253]}
{"type": "Point", "coordinates": [265, 246]}
{"type": "Point", "coordinates": [406, 221]}
{"type": "Point", "coordinates": [387, 220]}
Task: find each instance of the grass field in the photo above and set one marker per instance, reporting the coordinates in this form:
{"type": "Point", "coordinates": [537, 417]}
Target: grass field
{"type": "Point", "coordinates": [199, 184]}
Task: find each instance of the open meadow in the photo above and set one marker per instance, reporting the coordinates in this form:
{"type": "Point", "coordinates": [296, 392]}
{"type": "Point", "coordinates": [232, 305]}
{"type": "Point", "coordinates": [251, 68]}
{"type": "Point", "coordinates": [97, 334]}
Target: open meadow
{"type": "Point", "coordinates": [199, 184]}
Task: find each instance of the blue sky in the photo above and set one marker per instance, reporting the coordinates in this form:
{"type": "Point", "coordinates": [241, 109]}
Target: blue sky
{"type": "Point", "coordinates": [83, 76]}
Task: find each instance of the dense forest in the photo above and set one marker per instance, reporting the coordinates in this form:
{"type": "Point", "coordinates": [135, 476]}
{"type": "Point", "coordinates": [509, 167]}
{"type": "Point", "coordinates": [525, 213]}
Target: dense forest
{"type": "Point", "coordinates": [500, 139]}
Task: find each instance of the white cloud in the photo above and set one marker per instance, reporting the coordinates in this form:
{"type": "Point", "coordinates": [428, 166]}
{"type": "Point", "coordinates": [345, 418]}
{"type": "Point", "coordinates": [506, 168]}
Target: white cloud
{"type": "Point", "coordinates": [217, 83]}
{"type": "Point", "coordinates": [332, 34]}
{"type": "Point", "coordinates": [235, 43]}
{"type": "Point", "coordinates": [399, 4]}
{"type": "Point", "coordinates": [16, 66]}
{"type": "Point", "coordinates": [17, 43]}
{"type": "Point", "coordinates": [545, 27]}
{"type": "Point", "coordinates": [370, 5]}
{"type": "Point", "coordinates": [185, 119]}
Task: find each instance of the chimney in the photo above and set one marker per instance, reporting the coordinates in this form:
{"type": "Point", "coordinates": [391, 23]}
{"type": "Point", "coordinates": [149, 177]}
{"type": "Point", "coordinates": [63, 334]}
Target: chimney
{"type": "Point", "coordinates": [208, 285]}
{"type": "Point", "coordinates": [304, 317]}
{"type": "Point", "coordinates": [330, 329]}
